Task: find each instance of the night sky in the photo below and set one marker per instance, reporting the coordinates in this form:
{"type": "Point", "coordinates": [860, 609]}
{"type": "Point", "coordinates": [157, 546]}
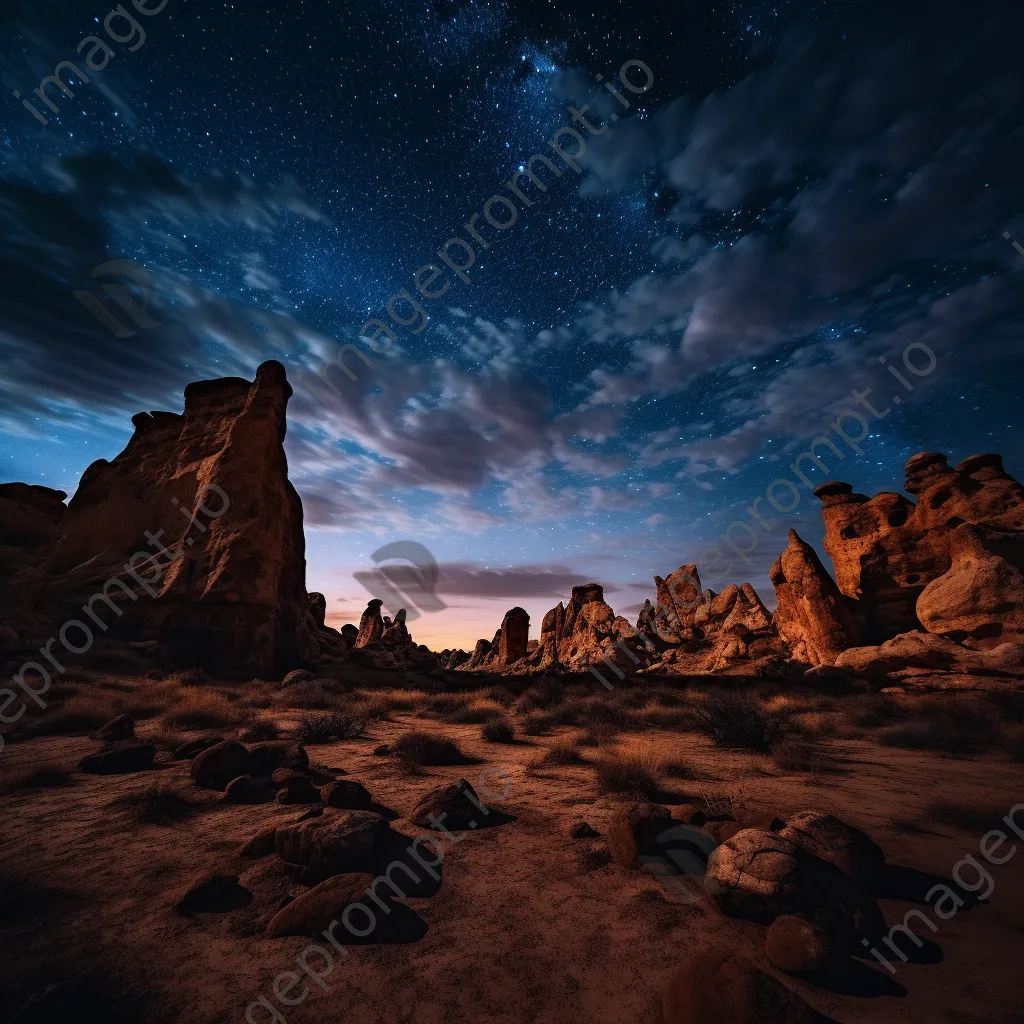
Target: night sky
{"type": "Point", "coordinates": [805, 189]}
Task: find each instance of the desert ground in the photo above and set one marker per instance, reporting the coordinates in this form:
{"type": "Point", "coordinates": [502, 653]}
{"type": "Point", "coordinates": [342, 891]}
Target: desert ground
{"type": "Point", "coordinates": [527, 923]}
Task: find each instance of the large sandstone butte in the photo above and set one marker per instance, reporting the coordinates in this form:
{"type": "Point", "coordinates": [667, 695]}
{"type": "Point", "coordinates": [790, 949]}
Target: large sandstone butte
{"type": "Point", "coordinates": [212, 482]}
{"type": "Point", "coordinates": [887, 549]}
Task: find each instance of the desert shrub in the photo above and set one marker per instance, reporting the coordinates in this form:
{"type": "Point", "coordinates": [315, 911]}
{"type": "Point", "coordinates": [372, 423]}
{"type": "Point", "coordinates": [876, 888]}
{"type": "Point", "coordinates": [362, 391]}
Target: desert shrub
{"type": "Point", "coordinates": [445, 704]}
{"type": "Point", "coordinates": [545, 693]}
{"type": "Point", "coordinates": [309, 693]}
{"type": "Point", "coordinates": [945, 734]}
{"type": "Point", "coordinates": [80, 713]}
{"type": "Point", "coordinates": [48, 777]}
{"type": "Point", "coordinates": [563, 752]}
{"type": "Point", "coordinates": [323, 727]}
{"type": "Point", "coordinates": [500, 695]}
{"type": "Point", "coordinates": [634, 772]}
{"type": "Point", "coordinates": [498, 729]}
{"type": "Point", "coordinates": [201, 709]}
{"type": "Point", "coordinates": [677, 719]}
{"type": "Point", "coordinates": [970, 817]}
{"type": "Point", "coordinates": [189, 677]}
{"type": "Point", "coordinates": [738, 718]}
{"type": "Point", "coordinates": [599, 735]}
{"type": "Point", "coordinates": [156, 805]}
{"type": "Point", "coordinates": [473, 713]}
{"type": "Point", "coordinates": [258, 729]}
{"type": "Point", "coordinates": [676, 769]}
{"type": "Point", "coordinates": [381, 703]}
{"type": "Point", "coordinates": [796, 755]}
{"type": "Point", "coordinates": [668, 697]}
{"type": "Point", "coordinates": [872, 710]}
{"type": "Point", "coordinates": [427, 748]}
{"type": "Point", "coordinates": [536, 722]}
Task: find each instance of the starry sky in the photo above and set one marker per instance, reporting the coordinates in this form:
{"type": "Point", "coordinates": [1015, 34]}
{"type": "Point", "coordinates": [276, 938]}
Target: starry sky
{"type": "Point", "coordinates": [799, 197]}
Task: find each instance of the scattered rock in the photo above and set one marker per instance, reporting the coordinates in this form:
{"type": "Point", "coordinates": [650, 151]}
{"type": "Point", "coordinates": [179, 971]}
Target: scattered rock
{"type": "Point", "coordinates": [116, 730]}
{"type": "Point", "coordinates": [333, 844]}
{"type": "Point", "coordinates": [187, 750]}
{"type": "Point", "coordinates": [796, 944]}
{"type": "Point", "coordinates": [248, 789]}
{"type": "Point", "coordinates": [216, 766]}
{"type": "Point", "coordinates": [720, 831]}
{"type": "Point", "coordinates": [718, 987]}
{"type": "Point", "coordinates": [581, 830]}
{"type": "Point", "coordinates": [689, 814]}
{"type": "Point", "coordinates": [832, 840]}
{"type": "Point", "coordinates": [262, 844]}
{"type": "Point", "coordinates": [297, 675]}
{"type": "Point", "coordinates": [349, 795]}
{"type": "Point", "coordinates": [450, 805]}
{"type": "Point", "coordinates": [295, 788]}
{"type": "Point", "coordinates": [755, 874]}
{"type": "Point", "coordinates": [383, 750]}
{"type": "Point", "coordinates": [312, 912]}
{"type": "Point", "coordinates": [266, 757]}
{"type": "Point", "coordinates": [634, 831]}
{"type": "Point", "coordinates": [313, 812]}
{"type": "Point", "coordinates": [137, 757]}
{"type": "Point", "coordinates": [213, 892]}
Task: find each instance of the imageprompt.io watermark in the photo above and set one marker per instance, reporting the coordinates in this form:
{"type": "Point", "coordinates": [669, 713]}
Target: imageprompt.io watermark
{"type": "Point", "coordinates": [118, 294]}
{"type": "Point", "coordinates": [407, 578]}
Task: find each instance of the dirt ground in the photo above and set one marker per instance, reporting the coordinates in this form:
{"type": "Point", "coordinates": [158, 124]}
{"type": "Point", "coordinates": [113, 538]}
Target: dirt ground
{"type": "Point", "coordinates": [520, 929]}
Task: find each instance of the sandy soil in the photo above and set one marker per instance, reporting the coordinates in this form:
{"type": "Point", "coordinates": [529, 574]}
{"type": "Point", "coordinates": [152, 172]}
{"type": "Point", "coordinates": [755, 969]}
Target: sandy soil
{"type": "Point", "coordinates": [517, 931]}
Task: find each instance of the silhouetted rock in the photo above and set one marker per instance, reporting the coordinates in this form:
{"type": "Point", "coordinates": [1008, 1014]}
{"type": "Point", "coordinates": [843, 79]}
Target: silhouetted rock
{"type": "Point", "coordinates": [116, 730]}
{"type": "Point", "coordinates": [371, 625]}
{"type": "Point", "coordinates": [795, 944]}
{"type": "Point", "coordinates": [346, 794]}
{"type": "Point", "coordinates": [137, 757]}
{"type": "Point", "coordinates": [29, 516]}
{"type": "Point", "coordinates": [213, 892]}
{"type": "Point", "coordinates": [842, 845]}
{"type": "Point", "coordinates": [216, 766]}
{"type": "Point", "coordinates": [634, 830]}
{"type": "Point", "coordinates": [247, 789]}
{"type": "Point", "coordinates": [312, 912]}
{"type": "Point", "coordinates": [450, 806]}
{"type": "Point", "coordinates": [266, 757]}
{"type": "Point", "coordinates": [333, 844]}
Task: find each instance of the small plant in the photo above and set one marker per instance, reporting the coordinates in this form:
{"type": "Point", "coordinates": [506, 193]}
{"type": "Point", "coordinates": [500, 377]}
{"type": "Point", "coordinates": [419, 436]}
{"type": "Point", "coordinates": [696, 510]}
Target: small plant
{"type": "Point", "coordinates": [326, 727]}
{"type": "Point", "coordinates": [601, 734]}
{"type": "Point", "coordinates": [156, 805]}
{"type": "Point", "coordinates": [677, 769]}
{"type": "Point", "coordinates": [737, 718]}
{"type": "Point", "coordinates": [427, 748]}
{"type": "Point", "coordinates": [536, 722]}
{"type": "Point", "coordinates": [636, 773]}
{"type": "Point", "coordinates": [257, 729]}
{"type": "Point", "coordinates": [563, 752]}
{"type": "Point", "coordinates": [201, 709]}
{"type": "Point", "coordinates": [309, 693]}
{"type": "Point", "coordinates": [498, 729]}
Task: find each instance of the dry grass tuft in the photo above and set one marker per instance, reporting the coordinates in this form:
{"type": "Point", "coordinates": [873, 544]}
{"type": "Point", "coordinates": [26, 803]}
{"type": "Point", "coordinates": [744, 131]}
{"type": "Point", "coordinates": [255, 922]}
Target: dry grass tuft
{"type": "Point", "coordinates": [739, 719]}
{"type": "Point", "coordinates": [498, 729]}
{"type": "Point", "coordinates": [563, 752]}
{"type": "Point", "coordinates": [534, 723]}
{"type": "Point", "coordinates": [157, 805]}
{"type": "Point", "coordinates": [202, 709]}
{"type": "Point", "coordinates": [635, 772]}
{"type": "Point", "coordinates": [326, 727]}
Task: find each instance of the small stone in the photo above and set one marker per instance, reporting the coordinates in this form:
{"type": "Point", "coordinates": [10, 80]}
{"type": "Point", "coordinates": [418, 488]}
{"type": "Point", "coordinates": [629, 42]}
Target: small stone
{"type": "Point", "coordinates": [581, 830]}
{"type": "Point", "coordinates": [347, 794]}
{"type": "Point", "coordinates": [297, 675]}
{"type": "Point", "coordinates": [119, 760]}
{"type": "Point", "coordinates": [312, 912]}
{"type": "Point", "coordinates": [216, 766]}
{"type": "Point", "coordinates": [247, 789]}
{"type": "Point", "coordinates": [634, 830]}
{"type": "Point", "coordinates": [187, 750]}
{"type": "Point", "coordinates": [116, 730]}
{"type": "Point", "coordinates": [795, 944]}
{"type": "Point", "coordinates": [213, 892]}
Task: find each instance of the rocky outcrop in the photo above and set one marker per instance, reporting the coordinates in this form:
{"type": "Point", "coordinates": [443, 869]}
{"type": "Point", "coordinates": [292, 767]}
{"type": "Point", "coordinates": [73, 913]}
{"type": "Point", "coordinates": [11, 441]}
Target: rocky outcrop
{"type": "Point", "coordinates": [479, 655]}
{"type": "Point", "coordinates": [811, 615]}
{"type": "Point", "coordinates": [981, 597]}
{"type": "Point", "coordinates": [29, 516]}
{"type": "Point", "coordinates": [515, 634]}
{"type": "Point", "coordinates": [886, 549]}
{"type": "Point", "coordinates": [371, 625]}
{"type": "Point", "coordinates": [201, 504]}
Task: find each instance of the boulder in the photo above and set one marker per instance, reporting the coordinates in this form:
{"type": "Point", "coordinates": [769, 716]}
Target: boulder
{"type": "Point", "coordinates": [266, 757]}
{"type": "Point", "coordinates": [756, 874]}
{"type": "Point", "coordinates": [811, 615]}
{"type": "Point", "coordinates": [263, 844]}
{"type": "Point", "coordinates": [350, 633]}
{"type": "Point", "coordinates": [634, 831]}
{"type": "Point", "coordinates": [29, 516]}
{"type": "Point", "coordinates": [248, 790]}
{"type": "Point", "coordinates": [837, 843]}
{"type": "Point", "coordinates": [689, 814]}
{"type": "Point", "coordinates": [116, 730]}
{"type": "Point", "coordinates": [312, 912]}
{"type": "Point", "coordinates": [333, 844]}
{"type": "Point", "coordinates": [795, 944]}
{"type": "Point", "coordinates": [346, 794]}
{"type": "Point", "coordinates": [979, 597]}
{"type": "Point", "coordinates": [451, 806]}
{"type": "Point", "coordinates": [294, 787]}
{"type": "Point", "coordinates": [136, 757]}
{"type": "Point", "coordinates": [297, 675]}
{"type": "Point", "coordinates": [212, 892]}
{"type": "Point", "coordinates": [187, 750]}
{"type": "Point", "coordinates": [935, 653]}
{"type": "Point", "coordinates": [216, 766]}
{"type": "Point", "coordinates": [719, 987]}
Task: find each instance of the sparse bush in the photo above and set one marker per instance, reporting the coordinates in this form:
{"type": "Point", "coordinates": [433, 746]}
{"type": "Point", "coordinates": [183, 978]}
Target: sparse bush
{"type": "Point", "coordinates": [676, 719]}
{"type": "Point", "coordinates": [545, 693]}
{"type": "Point", "coordinates": [635, 772]}
{"type": "Point", "coordinates": [258, 729]}
{"type": "Point", "coordinates": [536, 722]}
{"type": "Point", "coordinates": [474, 713]}
{"type": "Point", "coordinates": [309, 693]}
{"type": "Point", "coordinates": [80, 713]}
{"type": "Point", "coordinates": [738, 718]}
{"type": "Point", "coordinates": [498, 729]}
{"type": "Point", "coordinates": [446, 704]}
{"type": "Point", "coordinates": [563, 752]}
{"type": "Point", "coordinates": [322, 727]}
{"type": "Point", "coordinates": [677, 769]}
{"type": "Point", "coordinates": [599, 735]}
{"type": "Point", "coordinates": [970, 817]}
{"type": "Point", "coordinates": [869, 711]}
{"type": "Point", "coordinates": [201, 709]}
{"type": "Point", "coordinates": [427, 748]}
{"type": "Point", "coordinates": [157, 805]}
{"type": "Point", "coordinates": [189, 677]}
{"type": "Point", "coordinates": [500, 695]}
